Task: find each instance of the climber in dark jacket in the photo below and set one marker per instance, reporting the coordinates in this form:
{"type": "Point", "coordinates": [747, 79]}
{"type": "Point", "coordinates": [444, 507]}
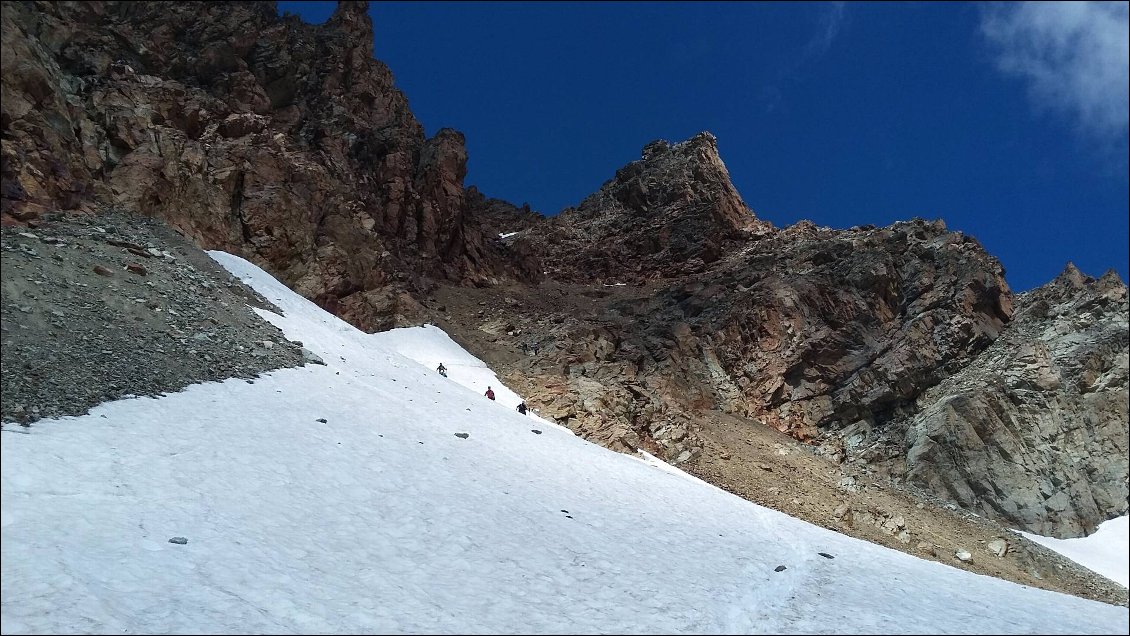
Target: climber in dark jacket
{"type": "Point", "coordinates": [522, 408]}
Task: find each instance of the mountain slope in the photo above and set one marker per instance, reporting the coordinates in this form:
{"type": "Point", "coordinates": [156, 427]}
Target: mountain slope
{"type": "Point", "coordinates": [657, 306]}
{"type": "Point", "coordinates": [380, 518]}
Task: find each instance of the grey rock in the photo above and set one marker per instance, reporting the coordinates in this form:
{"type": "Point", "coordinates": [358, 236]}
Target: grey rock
{"type": "Point", "coordinates": [998, 547]}
{"type": "Point", "coordinates": [1033, 432]}
{"type": "Point", "coordinates": [179, 540]}
{"type": "Point", "coordinates": [117, 345]}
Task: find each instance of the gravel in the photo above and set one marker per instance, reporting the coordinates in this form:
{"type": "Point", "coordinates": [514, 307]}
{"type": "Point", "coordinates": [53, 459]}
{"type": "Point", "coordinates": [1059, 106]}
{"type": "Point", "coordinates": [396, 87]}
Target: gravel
{"type": "Point", "coordinates": [98, 308]}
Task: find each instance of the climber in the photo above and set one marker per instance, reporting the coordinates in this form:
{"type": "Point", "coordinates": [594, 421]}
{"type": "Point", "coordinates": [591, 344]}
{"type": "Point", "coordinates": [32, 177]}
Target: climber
{"type": "Point", "coordinates": [489, 393]}
{"type": "Point", "coordinates": [442, 370]}
{"type": "Point", "coordinates": [522, 408]}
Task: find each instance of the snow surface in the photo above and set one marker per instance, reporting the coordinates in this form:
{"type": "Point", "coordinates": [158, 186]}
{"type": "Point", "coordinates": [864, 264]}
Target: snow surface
{"type": "Point", "coordinates": [382, 520]}
{"type": "Point", "coordinates": [506, 235]}
{"type": "Point", "coordinates": [1106, 551]}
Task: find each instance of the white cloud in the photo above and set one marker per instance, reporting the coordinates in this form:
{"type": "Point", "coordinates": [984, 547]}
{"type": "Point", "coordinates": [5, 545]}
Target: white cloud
{"type": "Point", "coordinates": [1074, 55]}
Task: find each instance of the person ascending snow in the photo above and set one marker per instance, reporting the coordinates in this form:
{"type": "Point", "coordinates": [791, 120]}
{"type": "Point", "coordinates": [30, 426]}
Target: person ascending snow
{"type": "Point", "coordinates": [522, 408]}
{"type": "Point", "coordinates": [489, 393]}
{"type": "Point", "coordinates": [442, 370]}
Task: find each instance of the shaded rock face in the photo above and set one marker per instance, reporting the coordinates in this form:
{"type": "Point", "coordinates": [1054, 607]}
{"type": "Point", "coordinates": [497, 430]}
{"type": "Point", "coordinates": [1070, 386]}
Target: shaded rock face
{"type": "Point", "coordinates": [281, 141]}
{"type": "Point", "coordinates": [1034, 431]}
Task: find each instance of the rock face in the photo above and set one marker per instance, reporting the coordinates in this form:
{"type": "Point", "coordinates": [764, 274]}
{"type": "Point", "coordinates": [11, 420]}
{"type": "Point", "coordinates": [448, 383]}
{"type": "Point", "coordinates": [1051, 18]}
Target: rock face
{"type": "Point", "coordinates": [259, 135]}
{"type": "Point", "coordinates": [1034, 431]}
{"type": "Point", "coordinates": [657, 303]}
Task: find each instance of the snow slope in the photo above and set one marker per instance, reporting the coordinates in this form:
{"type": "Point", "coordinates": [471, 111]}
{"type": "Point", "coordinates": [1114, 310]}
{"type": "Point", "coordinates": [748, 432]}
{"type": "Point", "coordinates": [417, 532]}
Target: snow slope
{"type": "Point", "coordinates": [380, 519]}
{"type": "Point", "coordinates": [1105, 551]}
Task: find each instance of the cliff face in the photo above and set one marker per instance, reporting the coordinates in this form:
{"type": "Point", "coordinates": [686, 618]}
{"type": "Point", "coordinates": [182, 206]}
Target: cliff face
{"type": "Point", "coordinates": [658, 302]}
{"type": "Point", "coordinates": [1034, 431]}
{"type": "Point", "coordinates": [252, 133]}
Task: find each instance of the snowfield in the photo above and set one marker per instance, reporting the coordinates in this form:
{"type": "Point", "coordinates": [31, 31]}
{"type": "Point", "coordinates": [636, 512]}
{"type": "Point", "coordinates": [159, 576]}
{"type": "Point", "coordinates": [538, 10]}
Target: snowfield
{"type": "Point", "coordinates": [381, 519]}
{"type": "Point", "coordinates": [1104, 552]}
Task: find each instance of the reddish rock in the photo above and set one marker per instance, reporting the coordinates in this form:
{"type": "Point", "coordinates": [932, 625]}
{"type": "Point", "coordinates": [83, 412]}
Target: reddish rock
{"type": "Point", "coordinates": [136, 268]}
{"type": "Point", "coordinates": [103, 271]}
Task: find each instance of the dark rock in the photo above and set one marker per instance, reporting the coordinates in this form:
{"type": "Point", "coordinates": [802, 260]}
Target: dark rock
{"type": "Point", "coordinates": [463, 435]}
{"type": "Point", "coordinates": [179, 540]}
{"type": "Point", "coordinates": [780, 568]}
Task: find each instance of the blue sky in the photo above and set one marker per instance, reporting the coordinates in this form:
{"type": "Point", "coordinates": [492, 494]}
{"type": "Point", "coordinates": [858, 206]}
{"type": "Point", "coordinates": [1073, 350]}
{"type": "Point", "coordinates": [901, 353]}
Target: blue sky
{"type": "Point", "coordinates": [1007, 121]}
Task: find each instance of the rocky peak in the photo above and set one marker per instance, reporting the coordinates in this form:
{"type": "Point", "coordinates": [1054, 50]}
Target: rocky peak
{"type": "Point", "coordinates": [671, 212]}
{"type": "Point", "coordinates": [1070, 277]}
{"type": "Point", "coordinates": [671, 182]}
{"type": "Point", "coordinates": [1110, 281]}
{"type": "Point", "coordinates": [352, 21]}
{"type": "Point", "coordinates": [1072, 292]}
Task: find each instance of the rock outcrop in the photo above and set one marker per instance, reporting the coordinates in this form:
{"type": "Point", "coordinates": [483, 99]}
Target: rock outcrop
{"type": "Point", "coordinates": [285, 142]}
{"type": "Point", "coordinates": [1034, 431]}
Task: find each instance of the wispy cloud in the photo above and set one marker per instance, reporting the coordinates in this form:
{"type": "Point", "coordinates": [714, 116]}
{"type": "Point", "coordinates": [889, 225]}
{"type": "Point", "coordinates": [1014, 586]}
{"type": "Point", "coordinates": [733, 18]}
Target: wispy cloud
{"type": "Point", "coordinates": [829, 22]}
{"type": "Point", "coordinates": [1074, 55]}
{"type": "Point", "coordinates": [828, 27]}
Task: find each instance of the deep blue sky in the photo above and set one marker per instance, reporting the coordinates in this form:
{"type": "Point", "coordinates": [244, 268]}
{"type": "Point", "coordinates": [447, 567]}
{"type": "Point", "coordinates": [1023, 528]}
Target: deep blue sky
{"type": "Point", "coordinates": [843, 115]}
